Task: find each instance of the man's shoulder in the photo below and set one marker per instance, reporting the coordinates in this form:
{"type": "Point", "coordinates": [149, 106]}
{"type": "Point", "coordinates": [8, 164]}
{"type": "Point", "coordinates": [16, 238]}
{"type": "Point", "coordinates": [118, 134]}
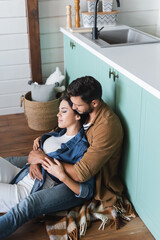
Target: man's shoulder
{"type": "Point", "coordinates": [107, 120]}
{"type": "Point", "coordinates": [106, 113]}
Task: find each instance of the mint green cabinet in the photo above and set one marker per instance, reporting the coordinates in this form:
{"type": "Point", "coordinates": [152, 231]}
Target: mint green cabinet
{"type": "Point", "coordinates": [128, 108]}
{"type": "Point", "coordinates": [78, 61]}
{"type": "Point", "coordinates": [86, 63]}
{"type": "Point", "coordinates": [70, 59]}
{"type": "Point", "coordinates": [148, 185]}
{"type": "Point", "coordinates": [107, 82]}
{"type": "Point", "coordinates": [121, 94]}
{"type": "Point", "coordinates": [139, 112]}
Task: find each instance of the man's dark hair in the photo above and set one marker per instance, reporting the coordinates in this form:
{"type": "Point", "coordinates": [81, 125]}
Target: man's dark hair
{"type": "Point", "coordinates": [88, 88]}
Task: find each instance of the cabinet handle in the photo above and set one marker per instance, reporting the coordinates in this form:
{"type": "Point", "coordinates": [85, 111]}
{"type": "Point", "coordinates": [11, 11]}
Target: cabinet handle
{"type": "Point", "coordinates": [111, 73]}
{"type": "Point", "coordinates": [72, 44]}
{"type": "Point", "coordinates": [114, 74]}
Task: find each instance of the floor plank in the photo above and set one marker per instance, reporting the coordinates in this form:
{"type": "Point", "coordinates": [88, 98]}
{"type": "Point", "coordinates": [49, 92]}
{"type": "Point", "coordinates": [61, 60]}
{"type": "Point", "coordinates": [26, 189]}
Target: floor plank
{"type": "Point", "coordinates": [16, 140]}
{"type": "Point", "coordinates": [30, 231]}
{"type": "Point", "coordinates": [17, 136]}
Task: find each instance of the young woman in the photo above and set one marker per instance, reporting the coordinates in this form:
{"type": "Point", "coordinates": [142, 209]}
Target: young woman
{"type": "Point", "coordinates": [68, 145]}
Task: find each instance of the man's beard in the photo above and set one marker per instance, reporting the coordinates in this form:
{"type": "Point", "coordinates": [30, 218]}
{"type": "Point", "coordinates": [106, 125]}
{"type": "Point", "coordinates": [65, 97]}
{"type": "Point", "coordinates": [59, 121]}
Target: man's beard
{"type": "Point", "coordinates": [90, 110]}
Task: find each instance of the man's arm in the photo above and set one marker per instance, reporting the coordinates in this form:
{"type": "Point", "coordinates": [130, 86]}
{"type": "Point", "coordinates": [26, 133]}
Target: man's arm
{"type": "Point", "coordinates": [35, 156]}
{"type": "Point", "coordinates": [56, 169]}
{"type": "Point", "coordinates": [106, 139]}
{"type": "Point", "coordinates": [69, 169]}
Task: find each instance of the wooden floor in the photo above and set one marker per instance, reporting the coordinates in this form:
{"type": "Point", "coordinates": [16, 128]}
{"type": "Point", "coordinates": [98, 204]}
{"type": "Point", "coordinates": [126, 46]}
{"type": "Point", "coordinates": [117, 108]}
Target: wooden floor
{"type": "Point", "coordinates": [16, 140]}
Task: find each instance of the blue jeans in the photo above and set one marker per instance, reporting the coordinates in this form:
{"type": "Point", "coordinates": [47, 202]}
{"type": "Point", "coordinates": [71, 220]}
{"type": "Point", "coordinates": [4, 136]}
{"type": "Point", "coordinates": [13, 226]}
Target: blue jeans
{"type": "Point", "coordinates": [18, 161]}
{"type": "Point", "coordinates": [54, 199]}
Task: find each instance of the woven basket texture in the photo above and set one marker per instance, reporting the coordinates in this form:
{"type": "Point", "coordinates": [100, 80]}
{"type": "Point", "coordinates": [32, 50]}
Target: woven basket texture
{"type": "Point", "coordinates": [41, 116]}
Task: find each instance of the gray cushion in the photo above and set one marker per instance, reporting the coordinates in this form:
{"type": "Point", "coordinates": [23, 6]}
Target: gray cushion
{"type": "Point", "coordinates": [43, 93]}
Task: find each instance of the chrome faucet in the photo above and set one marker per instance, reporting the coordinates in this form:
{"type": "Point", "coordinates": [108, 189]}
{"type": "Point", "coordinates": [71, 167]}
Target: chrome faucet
{"type": "Point", "coordinates": [95, 31]}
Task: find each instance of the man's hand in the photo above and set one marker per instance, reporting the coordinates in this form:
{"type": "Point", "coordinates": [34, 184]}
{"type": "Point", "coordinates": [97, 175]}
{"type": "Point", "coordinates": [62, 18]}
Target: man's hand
{"type": "Point", "coordinates": [35, 156]}
{"type": "Point", "coordinates": [35, 171]}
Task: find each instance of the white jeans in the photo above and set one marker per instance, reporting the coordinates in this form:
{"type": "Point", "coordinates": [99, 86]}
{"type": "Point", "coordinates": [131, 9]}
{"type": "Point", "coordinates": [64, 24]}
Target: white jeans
{"type": "Point", "coordinates": [11, 194]}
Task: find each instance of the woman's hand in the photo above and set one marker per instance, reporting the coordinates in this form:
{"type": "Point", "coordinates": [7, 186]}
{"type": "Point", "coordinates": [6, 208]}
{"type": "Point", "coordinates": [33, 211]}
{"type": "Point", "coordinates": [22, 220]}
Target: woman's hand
{"type": "Point", "coordinates": [55, 168]}
{"type": "Point", "coordinates": [36, 143]}
{"type": "Point", "coordinates": [35, 172]}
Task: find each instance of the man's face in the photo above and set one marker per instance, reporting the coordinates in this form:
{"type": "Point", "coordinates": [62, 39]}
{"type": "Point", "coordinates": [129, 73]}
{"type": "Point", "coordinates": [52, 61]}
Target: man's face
{"type": "Point", "coordinates": [80, 106]}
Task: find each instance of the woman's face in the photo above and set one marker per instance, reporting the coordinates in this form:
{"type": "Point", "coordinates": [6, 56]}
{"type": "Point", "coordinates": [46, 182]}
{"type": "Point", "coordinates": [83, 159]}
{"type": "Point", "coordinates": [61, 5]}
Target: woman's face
{"type": "Point", "coordinates": [66, 116]}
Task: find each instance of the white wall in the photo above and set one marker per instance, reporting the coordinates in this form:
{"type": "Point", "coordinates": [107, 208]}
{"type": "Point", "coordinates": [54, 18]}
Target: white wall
{"type": "Point", "coordinates": [158, 23]}
{"type": "Point", "coordinates": [52, 16]}
{"type": "Point", "coordinates": [141, 14]}
{"type": "Point", "coordinates": [14, 54]}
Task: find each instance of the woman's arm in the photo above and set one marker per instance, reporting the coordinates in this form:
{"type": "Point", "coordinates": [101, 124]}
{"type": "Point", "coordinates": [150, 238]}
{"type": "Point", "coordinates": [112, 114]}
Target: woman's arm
{"type": "Point", "coordinates": [56, 168]}
{"type": "Point", "coordinates": [36, 143]}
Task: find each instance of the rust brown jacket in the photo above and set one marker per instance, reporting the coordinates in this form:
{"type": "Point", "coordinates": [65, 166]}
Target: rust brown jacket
{"type": "Point", "coordinates": [105, 136]}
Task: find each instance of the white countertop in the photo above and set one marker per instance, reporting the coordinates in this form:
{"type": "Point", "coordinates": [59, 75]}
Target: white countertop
{"type": "Point", "coordinates": [140, 63]}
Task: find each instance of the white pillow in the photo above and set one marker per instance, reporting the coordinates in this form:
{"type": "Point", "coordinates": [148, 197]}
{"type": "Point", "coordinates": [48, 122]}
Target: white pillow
{"type": "Point", "coordinates": [43, 93]}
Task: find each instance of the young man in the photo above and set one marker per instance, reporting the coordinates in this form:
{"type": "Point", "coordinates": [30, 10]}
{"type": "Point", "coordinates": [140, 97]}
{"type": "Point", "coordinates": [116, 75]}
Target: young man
{"type": "Point", "coordinates": [105, 135]}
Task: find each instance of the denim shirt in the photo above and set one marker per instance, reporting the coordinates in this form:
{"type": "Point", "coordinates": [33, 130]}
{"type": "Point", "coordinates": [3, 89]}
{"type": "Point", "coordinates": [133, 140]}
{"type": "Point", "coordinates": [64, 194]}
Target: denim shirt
{"type": "Point", "coordinates": [70, 152]}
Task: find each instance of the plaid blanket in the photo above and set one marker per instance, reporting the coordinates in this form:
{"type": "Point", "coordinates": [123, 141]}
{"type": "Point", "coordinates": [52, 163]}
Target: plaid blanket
{"type": "Point", "coordinates": [74, 223]}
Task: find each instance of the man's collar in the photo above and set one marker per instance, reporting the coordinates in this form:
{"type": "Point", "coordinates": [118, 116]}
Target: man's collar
{"type": "Point", "coordinates": [101, 105]}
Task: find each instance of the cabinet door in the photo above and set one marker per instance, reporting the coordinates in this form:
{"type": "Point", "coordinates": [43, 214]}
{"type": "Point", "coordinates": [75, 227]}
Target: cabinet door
{"type": "Point", "coordinates": [107, 82]}
{"type": "Point", "coordinates": [70, 59]}
{"type": "Point", "coordinates": [148, 194]}
{"type": "Point", "coordinates": [86, 63]}
{"type": "Point", "coordinates": [128, 108]}
{"type": "Point", "coordinates": [78, 61]}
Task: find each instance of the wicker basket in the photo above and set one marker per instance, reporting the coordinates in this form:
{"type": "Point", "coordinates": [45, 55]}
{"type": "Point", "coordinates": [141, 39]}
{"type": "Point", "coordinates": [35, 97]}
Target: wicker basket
{"type": "Point", "coordinates": [41, 116]}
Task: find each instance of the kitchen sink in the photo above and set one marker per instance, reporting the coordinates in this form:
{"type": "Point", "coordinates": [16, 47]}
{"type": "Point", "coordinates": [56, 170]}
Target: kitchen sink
{"type": "Point", "coordinates": [121, 37]}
